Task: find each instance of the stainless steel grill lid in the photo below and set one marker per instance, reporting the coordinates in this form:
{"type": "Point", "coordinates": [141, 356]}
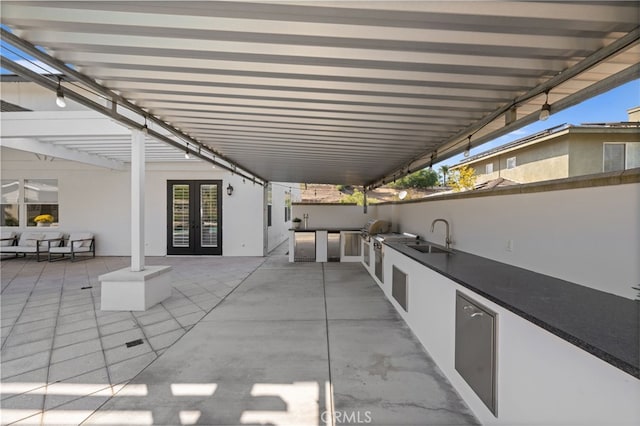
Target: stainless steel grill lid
{"type": "Point", "coordinates": [377, 226]}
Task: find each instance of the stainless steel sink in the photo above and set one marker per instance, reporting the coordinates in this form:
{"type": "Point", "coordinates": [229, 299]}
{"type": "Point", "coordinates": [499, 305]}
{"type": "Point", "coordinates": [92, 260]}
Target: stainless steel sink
{"type": "Point", "coordinates": [429, 248]}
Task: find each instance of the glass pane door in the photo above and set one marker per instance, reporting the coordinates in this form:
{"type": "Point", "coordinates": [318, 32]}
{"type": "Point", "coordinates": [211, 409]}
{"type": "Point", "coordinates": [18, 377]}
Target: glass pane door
{"type": "Point", "coordinates": [180, 235]}
{"type": "Point", "coordinates": [194, 217]}
{"type": "Point", "coordinates": [208, 215]}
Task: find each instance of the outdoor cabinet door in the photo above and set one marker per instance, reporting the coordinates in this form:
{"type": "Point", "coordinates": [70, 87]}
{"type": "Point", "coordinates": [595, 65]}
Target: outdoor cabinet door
{"type": "Point", "coordinates": [475, 350]}
{"type": "Point", "coordinates": [194, 217]}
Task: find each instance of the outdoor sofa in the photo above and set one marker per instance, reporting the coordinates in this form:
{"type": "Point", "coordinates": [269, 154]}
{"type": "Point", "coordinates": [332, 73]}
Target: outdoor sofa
{"type": "Point", "coordinates": [30, 242]}
{"type": "Point", "coordinates": [78, 242]}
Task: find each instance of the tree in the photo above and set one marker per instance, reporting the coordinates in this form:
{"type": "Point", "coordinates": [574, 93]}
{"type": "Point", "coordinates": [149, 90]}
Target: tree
{"type": "Point", "coordinates": [425, 178]}
{"type": "Point", "coordinates": [444, 172]}
{"type": "Point", "coordinates": [358, 198]}
{"type": "Point", "coordinates": [463, 178]}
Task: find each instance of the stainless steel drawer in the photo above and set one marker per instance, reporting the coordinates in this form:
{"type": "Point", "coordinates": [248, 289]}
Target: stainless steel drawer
{"type": "Point", "coordinates": [399, 288]}
{"type": "Point", "coordinates": [333, 247]}
{"type": "Point", "coordinates": [475, 351]}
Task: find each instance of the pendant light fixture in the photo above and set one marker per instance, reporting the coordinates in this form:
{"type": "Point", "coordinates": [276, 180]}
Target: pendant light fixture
{"type": "Point", "coordinates": [546, 108]}
{"type": "Point", "coordinates": [186, 152]}
{"type": "Point", "coordinates": [60, 101]}
{"type": "Point", "coordinates": [467, 151]}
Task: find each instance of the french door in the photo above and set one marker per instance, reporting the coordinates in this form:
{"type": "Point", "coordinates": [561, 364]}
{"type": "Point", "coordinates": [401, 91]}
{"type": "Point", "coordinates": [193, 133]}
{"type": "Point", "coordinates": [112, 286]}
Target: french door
{"type": "Point", "coordinates": [194, 217]}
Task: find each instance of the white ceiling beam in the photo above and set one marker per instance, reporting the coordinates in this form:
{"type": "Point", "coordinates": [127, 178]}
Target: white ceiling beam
{"type": "Point", "coordinates": [88, 45]}
{"type": "Point", "coordinates": [293, 102]}
{"type": "Point", "coordinates": [150, 90]}
{"type": "Point", "coordinates": [42, 148]}
{"type": "Point", "coordinates": [187, 75]}
{"type": "Point", "coordinates": [283, 27]}
{"type": "Point", "coordinates": [541, 10]}
{"type": "Point", "coordinates": [310, 108]}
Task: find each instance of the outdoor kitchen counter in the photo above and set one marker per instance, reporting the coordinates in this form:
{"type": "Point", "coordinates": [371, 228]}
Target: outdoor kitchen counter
{"type": "Point", "coordinates": [600, 323]}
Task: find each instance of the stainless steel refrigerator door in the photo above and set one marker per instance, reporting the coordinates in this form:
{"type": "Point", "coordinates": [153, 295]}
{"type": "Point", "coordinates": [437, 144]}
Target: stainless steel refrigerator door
{"type": "Point", "coordinates": [304, 246]}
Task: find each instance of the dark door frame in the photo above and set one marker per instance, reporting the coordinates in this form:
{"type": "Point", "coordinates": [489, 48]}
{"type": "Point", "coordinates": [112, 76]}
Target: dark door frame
{"type": "Point", "coordinates": [195, 247]}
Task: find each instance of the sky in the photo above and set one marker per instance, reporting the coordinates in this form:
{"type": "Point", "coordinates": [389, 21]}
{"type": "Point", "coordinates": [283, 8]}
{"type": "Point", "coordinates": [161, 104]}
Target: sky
{"type": "Point", "coordinates": [609, 107]}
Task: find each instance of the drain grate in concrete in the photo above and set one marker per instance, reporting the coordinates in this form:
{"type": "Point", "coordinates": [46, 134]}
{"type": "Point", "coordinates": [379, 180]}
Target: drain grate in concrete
{"type": "Point", "coordinates": [134, 343]}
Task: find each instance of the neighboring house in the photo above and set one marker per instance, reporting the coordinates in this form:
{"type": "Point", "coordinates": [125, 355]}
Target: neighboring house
{"type": "Point", "coordinates": [561, 152]}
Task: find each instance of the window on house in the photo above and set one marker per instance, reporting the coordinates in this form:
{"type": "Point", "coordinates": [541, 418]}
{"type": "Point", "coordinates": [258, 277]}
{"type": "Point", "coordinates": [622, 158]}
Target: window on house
{"type": "Point", "coordinates": [632, 155]}
{"type": "Point", "coordinates": [620, 156]}
{"type": "Point", "coordinates": [489, 168]}
{"type": "Point", "coordinates": [613, 157]}
{"type": "Point", "coordinates": [41, 199]}
{"type": "Point", "coordinates": [10, 214]}
{"type": "Point", "coordinates": [511, 163]}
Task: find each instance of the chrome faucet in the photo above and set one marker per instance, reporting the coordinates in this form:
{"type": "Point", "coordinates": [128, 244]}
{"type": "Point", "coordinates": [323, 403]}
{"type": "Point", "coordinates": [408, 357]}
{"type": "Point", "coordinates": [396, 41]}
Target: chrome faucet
{"type": "Point", "coordinates": [447, 240]}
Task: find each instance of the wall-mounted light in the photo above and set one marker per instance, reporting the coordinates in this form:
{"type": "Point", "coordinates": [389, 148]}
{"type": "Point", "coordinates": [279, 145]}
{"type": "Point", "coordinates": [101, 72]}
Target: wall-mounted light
{"type": "Point", "coordinates": [229, 190]}
{"type": "Point", "coordinates": [546, 108]}
{"type": "Point", "coordinates": [60, 95]}
{"type": "Point", "coordinates": [467, 150]}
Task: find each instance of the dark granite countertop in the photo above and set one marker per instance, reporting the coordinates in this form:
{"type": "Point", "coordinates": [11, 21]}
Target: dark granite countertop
{"type": "Point", "coordinates": [301, 229]}
{"type": "Point", "coordinates": [603, 324]}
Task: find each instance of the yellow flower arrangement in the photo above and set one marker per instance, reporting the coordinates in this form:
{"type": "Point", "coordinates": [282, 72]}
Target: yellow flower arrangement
{"type": "Point", "coordinates": [43, 218]}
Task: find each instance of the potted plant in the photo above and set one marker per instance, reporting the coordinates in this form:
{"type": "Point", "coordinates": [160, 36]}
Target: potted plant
{"type": "Point", "coordinates": [296, 222]}
{"type": "Point", "coordinates": [43, 220]}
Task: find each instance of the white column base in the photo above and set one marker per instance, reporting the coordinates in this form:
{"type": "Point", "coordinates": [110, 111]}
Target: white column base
{"type": "Point", "coordinates": [125, 290]}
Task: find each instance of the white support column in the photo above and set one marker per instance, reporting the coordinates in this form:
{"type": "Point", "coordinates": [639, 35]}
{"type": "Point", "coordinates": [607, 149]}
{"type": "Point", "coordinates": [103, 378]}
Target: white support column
{"type": "Point", "coordinates": [136, 288]}
{"type": "Point", "coordinates": [137, 200]}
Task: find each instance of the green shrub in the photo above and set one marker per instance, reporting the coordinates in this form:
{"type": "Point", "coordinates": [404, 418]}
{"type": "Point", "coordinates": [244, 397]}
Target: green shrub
{"type": "Point", "coordinates": [357, 198]}
{"type": "Point", "coordinates": [425, 178]}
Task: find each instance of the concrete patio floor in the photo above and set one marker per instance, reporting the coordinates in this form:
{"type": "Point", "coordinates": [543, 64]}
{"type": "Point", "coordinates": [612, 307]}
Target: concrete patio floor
{"type": "Point", "coordinates": [241, 341]}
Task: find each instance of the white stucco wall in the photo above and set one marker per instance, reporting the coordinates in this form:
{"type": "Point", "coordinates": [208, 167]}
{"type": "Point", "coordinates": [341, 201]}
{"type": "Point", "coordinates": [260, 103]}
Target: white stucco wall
{"type": "Point", "coordinates": [335, 215]}
{"type": "Point", "coordinates": [588, 236]}
{"type": "Point", "coordinates": [278, 232]}
{"type": "Point", "coordinates": [98, 200]}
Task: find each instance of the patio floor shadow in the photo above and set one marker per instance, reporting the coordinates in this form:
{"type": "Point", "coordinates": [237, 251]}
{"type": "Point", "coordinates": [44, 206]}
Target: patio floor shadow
{"type": "Point", "coordinates": [241, 341]}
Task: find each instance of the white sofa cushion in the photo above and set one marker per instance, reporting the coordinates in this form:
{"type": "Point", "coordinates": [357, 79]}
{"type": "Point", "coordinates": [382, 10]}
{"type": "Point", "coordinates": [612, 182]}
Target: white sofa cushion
{"type": "Point", "coordinates": [6, 234]}
{"type": "Point", "coordinates": [44, 245]}
{"type": "Point", "coordinates": [74, 237]}
{"type": "Point", "coordinates": [29, 239]}
{"type": "Point", "coordinates": [19, 249]}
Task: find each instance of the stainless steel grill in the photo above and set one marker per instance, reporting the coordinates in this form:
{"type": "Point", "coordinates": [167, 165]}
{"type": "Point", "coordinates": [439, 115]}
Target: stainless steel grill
{"type": "Point", "coordinates": [378, 249]}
